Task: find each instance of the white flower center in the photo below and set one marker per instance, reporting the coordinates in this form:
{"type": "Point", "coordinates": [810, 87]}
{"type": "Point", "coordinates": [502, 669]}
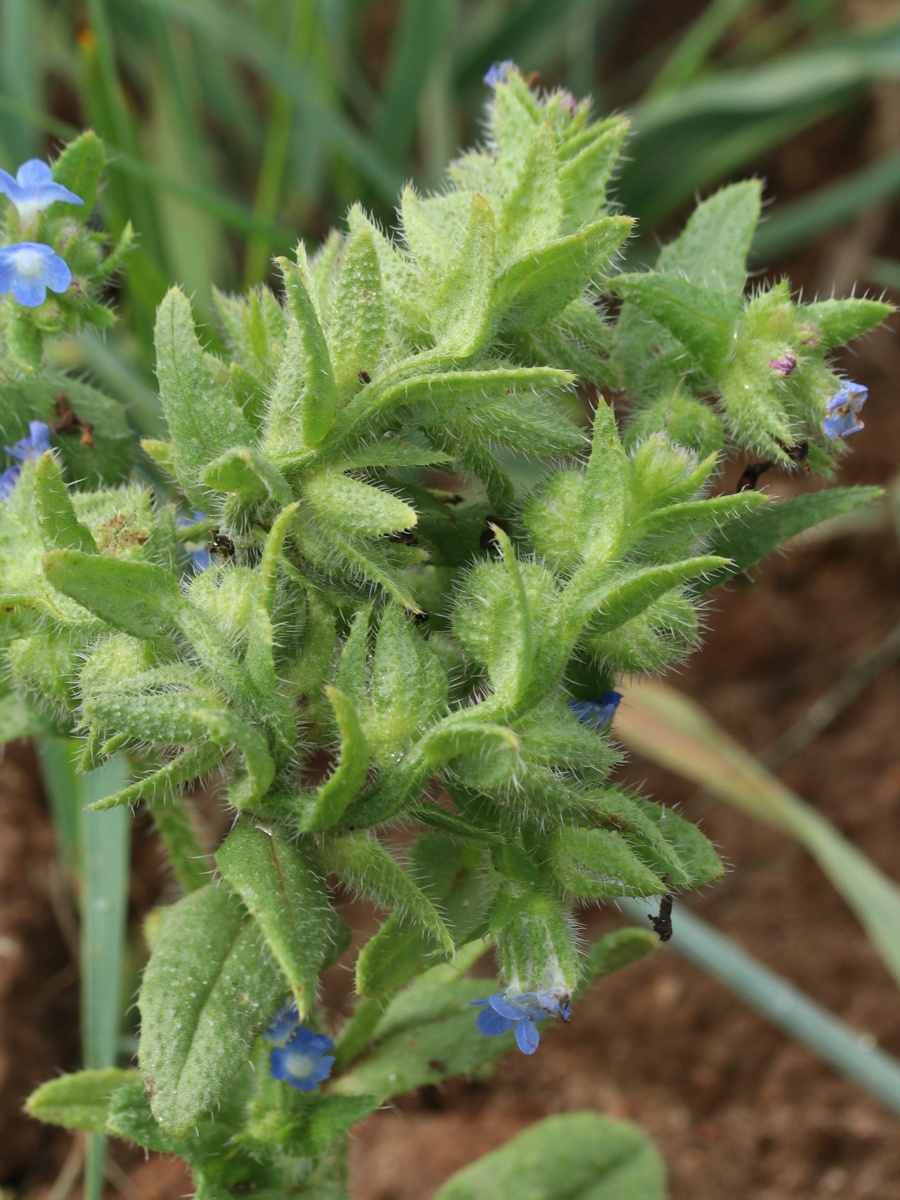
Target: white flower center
{"type": "Point", "coordinates": [28, 210]}
{"type": "Point", "coordinates": [302, 1065]}
{"type": "Point", "coordinates": [29, 263]}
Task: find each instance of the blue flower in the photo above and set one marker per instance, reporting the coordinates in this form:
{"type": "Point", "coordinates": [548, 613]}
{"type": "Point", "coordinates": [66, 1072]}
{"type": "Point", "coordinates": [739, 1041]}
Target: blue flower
{"type": "Point", "coordinates": [33, 189]}
{"type": "Point", "coordinates": [300, 1057]}
{"type": "Point", "coordinates": [596, 714]}
{"type": "Point", "coordinates": [842, 410]}
{"type": "Point", "coordinates": [283, 1024]}
{"type": "Point", "coordinates": [304, 1060]}
{"type": "Point", "coordinates": [33, 446]}
{"type": "Point", "coordinates": [27, 269]}
{"type": "Point", "coordinates": [200, 557]}
{"type": "Point", "coordinates": [499, 72]}
{"type": "Point", "coordinates": [505, 1012]}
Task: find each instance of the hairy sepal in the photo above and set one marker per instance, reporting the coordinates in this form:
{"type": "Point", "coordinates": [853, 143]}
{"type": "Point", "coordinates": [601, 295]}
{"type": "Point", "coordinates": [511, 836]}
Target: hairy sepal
{"type": "Point", "coordinates": [135, 597]}
{"type": "Point", "coordinates": [537, 287]}
{"type": "Point", "coordinates": [304, 397]}
{"type": "Point", "coordinates": [535, 943]}
{"type": "Point", "coordinates": [363, 864]}
{"type": "Point", "coordinates": [358, 324]}
{"type": "Point", "coordinates": [60, 527]}
{"type": "Point", "coordinates": [202, 417]}
{"type": "Point", "coordinates": [325, 807]}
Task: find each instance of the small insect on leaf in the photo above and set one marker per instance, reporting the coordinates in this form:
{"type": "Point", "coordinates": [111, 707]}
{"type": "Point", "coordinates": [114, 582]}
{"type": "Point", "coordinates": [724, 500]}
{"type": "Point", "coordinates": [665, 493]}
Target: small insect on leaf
{"type": "Point", "coordinates": [220, 543]}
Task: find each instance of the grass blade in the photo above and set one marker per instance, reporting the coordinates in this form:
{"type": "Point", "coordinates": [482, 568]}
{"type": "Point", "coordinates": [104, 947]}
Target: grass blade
{"type": "Point", "coordinates": [794, 224]}
{"type": "Point", "coordinates": [425, 28]}
{"type": "Point", "coordinates": [19, 70]}
{"type": "Point", "coordinates": [696, 44]}
{"type": "Point", "coordinates": [669, 166]}
{"type": "Point", "coordinates": [98, 846]}
{"type": "Point", "coordinates": [57, 761]}
{"type": "Point", "coordinates": [246, 43]}
{"type": "Point", "coordinates": [108, 363]}
{"type": "Point", "coordinates": [670, 729]}
{"type": "Point", "coordinates": [782, 1004]}
{"type": "Point", "coordinates": [792, 80]}
{"type": "Point", "coordinates": [884, 272]}
{"type": "Point", "coordinates": [300, 42]}
{"type": "Point", "coordinates": [104, 901]}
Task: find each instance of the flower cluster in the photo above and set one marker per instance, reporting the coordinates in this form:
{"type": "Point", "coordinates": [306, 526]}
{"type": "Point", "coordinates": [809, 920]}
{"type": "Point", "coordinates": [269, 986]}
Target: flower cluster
{"type": "Point", "coordinates": [33, 446]}
{"type": "Point", "coordinates": [299, 1056]}
{"type": "Point", "coordinates": [29, 269]}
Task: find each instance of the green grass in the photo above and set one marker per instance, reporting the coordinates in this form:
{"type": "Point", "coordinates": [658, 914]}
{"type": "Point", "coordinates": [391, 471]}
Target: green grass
{"type": "Point", "coordinates": [95, 849]}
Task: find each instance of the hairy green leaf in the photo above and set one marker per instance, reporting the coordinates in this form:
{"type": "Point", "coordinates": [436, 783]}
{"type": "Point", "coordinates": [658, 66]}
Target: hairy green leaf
{"type": "Point", "coordinates": [277, 882]}
{"type": "Point", "coordinates": [210, 986]}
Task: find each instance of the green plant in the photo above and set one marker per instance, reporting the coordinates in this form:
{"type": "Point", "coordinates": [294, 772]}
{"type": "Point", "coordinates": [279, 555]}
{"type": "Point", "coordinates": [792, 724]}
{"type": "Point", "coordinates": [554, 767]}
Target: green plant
{"type": "Point", "coordinates": [454, 653]}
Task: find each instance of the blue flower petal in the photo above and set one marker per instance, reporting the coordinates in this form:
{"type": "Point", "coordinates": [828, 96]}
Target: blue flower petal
{"type": "Point", "coordinates": [7, 274]}
{"type": "Point", "coordinates": [33, 446]}
{"type": "Point", "coordinates": [36, 444]}
{"type": "Point", "coordinates": [527, 1036]}
{"type": "Point", "coordinates": [521, 1012]}
{"type": "Point", "coordinates": [29, 292]}
{"type": "Point", "coordinates": [283, 1024]}
{"type": "Point", "coordinates": [516, 1008]}
{"type": "Point", "coordinates": [505, 1007]}
{"type": "Point", "coordinates": [39, 437]}
{"type": "Point", "coordinates": [33, 189]}
{"type": "Point", "coordinates": [8, 480]}
{"type": "Point", "coordinates": [843, 409]}
{"type": "Point", "coordinates": [498, 72]}
{"type": "Point", "coordinates": [33, 174]}
{"type": "Point", "coordinates": [596, 714]}
{"type": "Point", "coordinates": [310, 1042]}
{"type": "Point", "coordinates": [283, 1066]}
{"type": "Point", "coordinates": [57, 273]}
{"type": "Point", "coordinates": [322, 1069]}
{"type": "Point", "coordinates": [549, 1002]}
{"type": "Point", "coordinates": [27, 269]}
{"type": "Point", "coordinates": [491, 1023]}
{"type": "Point", "coordinates": [303, 1061]}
